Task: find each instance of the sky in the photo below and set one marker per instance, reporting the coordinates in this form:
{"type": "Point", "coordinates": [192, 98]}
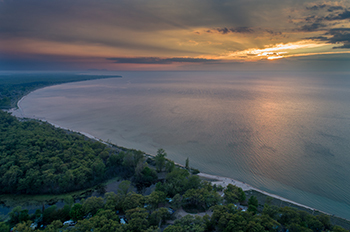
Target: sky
{"type": "Point", "coordinates": [174, 35]}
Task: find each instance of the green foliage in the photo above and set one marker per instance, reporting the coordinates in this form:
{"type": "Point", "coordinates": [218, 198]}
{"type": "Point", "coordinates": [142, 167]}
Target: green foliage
{"type": "Point", "coordinates": [271, 211]}
{"type": "Point", "coordinates": [219, 211]}
{"type": "Point", "coordinates": [194, 171]}
{"type": "Point", "coordinates": [219, 188]}
{"type": "Point", "coordinates": [253, 209]}
{"type": "Point", "coordinates": [154, 199]}
{"type": "Point", "coordinates": [325, 220]}
{"type": "Point", "coordinates": [92, 205]}
{"type": "Point", "coordinates": [289, 216]}
{"type": "Point", "coordinates": [137, 220]}
{"type": "Point", "coordinates": [50, 214]}
{"type": "Point", "coordinates": [187, 165]}
{"type": "Point", "coordinates": [200, 199]}
{"type": "Point", "coordinates": [4, 227]}
{"type": "Point", "coordinates": [253, 201]}
{"type": "Point", "coordinates": [158, 217]}
{"type": "Point", "coordinates": [178, 181]}
{"type": "Point", "coordinates": [76, 212]}
{"type": "Point", "coordinates": [23, 227]}
{"type": "Point", "coordinates": [133, 200]}
{"type": "Point", "coordinates": [173, 228]}
{"type": "Point", "coordinates": [124, 187]}
{"type": "Point", "coordinates": [169, 166]}
{"type": "Point", "coordinates": [234, 194]}
{"type": "Point", "coordinates": [54, 226]}
{"type": "Point", "coordinates": [145, 178]}
{"type": "Point", "coordinates": [253, 204]}
{"type": "Point", "coordinates": [188, 223]}
{"type": "Point", "coordinates": [103, 221]}
{"type": "Point", "coordinates": [160, 159]}
{"type": "Point", "coordinates": [339, 229]}
{"type": "Point", "coordinates": [113, 201]}
{"type": "Point", "coordinates": [225, 218]}
{"type": "Point", "coordinates": [177, 201]}
{"type": "Point", "coordinates": [18, 215]}
{"type": "Point", "coordinates": [228, 218]}
{"type": "Point", "coordinates": [39, 158]}
{"type": "Point", "coordinates": [296, 220]}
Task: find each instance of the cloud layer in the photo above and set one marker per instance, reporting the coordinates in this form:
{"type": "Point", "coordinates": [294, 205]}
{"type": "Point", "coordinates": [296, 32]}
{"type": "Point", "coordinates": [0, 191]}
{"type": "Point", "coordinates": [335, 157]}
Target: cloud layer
{"type": "Point", "coordinates": [167, 32]}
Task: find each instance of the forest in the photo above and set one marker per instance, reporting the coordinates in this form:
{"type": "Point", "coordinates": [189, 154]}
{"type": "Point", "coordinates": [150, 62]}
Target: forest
{"type": "Point", "coordinates": [37, 158]}
{"type": "Point", "coordinates": [129, 211]}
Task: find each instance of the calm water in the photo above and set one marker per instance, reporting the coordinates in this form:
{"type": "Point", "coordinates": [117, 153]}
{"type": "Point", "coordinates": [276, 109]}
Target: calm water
{"type": "Point", "coordinates": [288, 134]}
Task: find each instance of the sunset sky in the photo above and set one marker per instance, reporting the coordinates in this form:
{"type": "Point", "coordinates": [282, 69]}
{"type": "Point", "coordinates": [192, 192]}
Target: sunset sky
{"type": "Point", "coordinates": [174, 34]}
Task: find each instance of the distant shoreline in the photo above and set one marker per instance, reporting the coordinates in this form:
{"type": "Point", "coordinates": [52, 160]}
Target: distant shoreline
{"type": "Point", "coordinates": [214, 179]}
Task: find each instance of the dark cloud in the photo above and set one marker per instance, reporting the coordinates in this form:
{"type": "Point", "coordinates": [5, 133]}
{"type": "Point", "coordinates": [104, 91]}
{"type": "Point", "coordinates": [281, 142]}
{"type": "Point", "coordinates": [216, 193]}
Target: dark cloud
{"type": "Point", "coordinates": [271, 32]}
{"type": "Point", "coordinates": [329, 8]}
{"type": "Point", "coordinates": [323, 17]}
{"type": "Point", "coordinates": [340, 16]}
{"type": "Point", "coordinates": [242, 30]}
{"type": "Point", "coordinates": [311, 18]}
{"type": "Point", "coordinates": [223, 30]}
{"type": "Point", "coordinates": [320, 38]}
{"type": "Point", "coordinates": [336, 36]}
{"type": "Point", "coordinates": [157, 60]}
{"type": "Point", "coordinates": [226, 30]}
{"type": "Point", "coordinates": [334, 8]}
{"type": "Point", "coordinates": [316, 7]}
{"type": "Point", "coordinates": [312, 27]}
{"type": "Point", "coordinates": [340, 35]}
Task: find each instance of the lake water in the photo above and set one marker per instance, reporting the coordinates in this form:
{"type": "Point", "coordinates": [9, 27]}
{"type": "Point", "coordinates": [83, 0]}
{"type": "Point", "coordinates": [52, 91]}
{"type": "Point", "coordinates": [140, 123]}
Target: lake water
{"type": "Point", "coordinates": [285, 133]}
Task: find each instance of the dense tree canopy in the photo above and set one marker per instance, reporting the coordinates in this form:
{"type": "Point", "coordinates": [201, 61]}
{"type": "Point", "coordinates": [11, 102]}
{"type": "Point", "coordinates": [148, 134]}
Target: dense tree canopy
{"type": "Point", "coordinates": [135, 212]}
{"type": "Point", "coordinates": [36, 157]}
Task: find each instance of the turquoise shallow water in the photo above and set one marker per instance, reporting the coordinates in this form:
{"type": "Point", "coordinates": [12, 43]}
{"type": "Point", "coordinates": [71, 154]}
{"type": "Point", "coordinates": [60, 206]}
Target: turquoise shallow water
{"type": "Point", "coordinates": [288, 134]}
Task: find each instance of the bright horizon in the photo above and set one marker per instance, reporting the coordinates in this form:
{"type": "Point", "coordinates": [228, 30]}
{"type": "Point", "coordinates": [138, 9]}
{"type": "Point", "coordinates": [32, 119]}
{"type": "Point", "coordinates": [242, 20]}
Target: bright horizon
{"type": "Point", "coordinates": [175, 35]}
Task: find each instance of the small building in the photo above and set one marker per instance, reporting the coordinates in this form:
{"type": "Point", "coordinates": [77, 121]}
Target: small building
{"type": "Point", "coordinates": [34, 225]}
{"type": "Point", "coordinates": [170, 210]}
{"type": "Point", "coordinates": [69, 223]}
{"type": "Point", "coordinates": [122, 221]}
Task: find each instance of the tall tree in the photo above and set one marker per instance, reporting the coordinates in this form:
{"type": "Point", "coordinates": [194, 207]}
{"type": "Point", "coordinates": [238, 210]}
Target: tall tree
{"type": "Point", "coordinates": [160, 159]}
{"type": "Point", "coordinates": [124, 187]}
{"type": "Point", "coordinates": [187, 166]}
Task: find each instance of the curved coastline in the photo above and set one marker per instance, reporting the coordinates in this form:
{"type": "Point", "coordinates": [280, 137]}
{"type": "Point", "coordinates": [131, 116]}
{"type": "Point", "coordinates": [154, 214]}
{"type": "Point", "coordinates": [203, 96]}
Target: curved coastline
{"type": "Point", "coordinates": [218, 180]}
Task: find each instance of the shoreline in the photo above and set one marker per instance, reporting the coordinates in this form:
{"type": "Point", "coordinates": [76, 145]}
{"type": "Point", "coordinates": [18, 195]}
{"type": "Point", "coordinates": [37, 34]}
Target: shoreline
{"type": "Point", "coordinates": [214, 179]}
{"type": "Point", "coordinates": [224, 181]}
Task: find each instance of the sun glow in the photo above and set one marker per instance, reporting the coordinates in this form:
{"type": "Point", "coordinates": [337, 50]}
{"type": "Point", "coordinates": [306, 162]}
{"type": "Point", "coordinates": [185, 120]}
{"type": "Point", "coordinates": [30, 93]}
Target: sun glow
{"type": "Point", "coordinates": [277, 51]}
{"type": "Point", "coordinates": [275, 57]}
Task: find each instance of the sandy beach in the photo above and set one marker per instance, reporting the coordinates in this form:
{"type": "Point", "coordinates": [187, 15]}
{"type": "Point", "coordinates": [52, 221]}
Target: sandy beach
{"type": "Point", "coordinates": [224, 181]}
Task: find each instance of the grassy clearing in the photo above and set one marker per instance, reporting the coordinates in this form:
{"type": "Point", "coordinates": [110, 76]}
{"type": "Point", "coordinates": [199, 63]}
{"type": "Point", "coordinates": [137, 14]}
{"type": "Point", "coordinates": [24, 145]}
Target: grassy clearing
{"type": "Point", "coordinates": [11, 200]}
